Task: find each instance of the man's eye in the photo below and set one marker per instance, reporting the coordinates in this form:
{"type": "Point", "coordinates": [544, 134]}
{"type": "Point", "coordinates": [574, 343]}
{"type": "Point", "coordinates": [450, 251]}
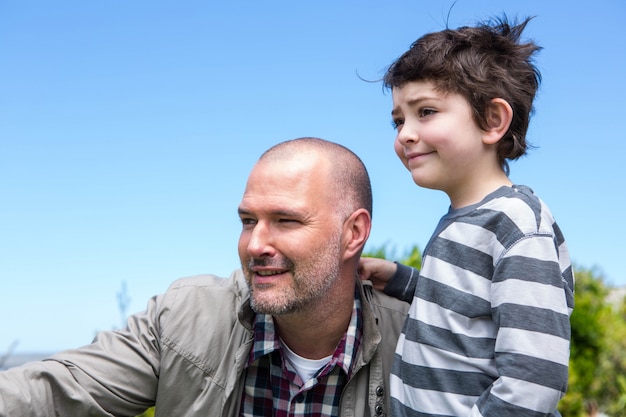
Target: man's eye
{"type": "Point", "coordinates": [247, 221]}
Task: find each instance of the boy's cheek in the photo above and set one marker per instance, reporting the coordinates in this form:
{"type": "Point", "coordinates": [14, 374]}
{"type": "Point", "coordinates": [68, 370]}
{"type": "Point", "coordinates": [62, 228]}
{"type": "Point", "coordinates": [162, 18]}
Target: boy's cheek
{"type": "Point", "coordinates": [397, 147]}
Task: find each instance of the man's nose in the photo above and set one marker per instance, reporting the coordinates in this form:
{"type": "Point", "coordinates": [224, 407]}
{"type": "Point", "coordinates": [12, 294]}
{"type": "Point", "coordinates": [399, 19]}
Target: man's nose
{"type": "Point", "coordinates": [260, 243]}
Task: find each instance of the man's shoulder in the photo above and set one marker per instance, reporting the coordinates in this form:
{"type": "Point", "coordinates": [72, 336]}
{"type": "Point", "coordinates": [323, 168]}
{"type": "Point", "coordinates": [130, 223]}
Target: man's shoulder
{"type": "Point", "coordinates": [206, 291]}
{"type": "Point", "coordinates": [200, 314]}
{"type": "Point", "coordinates": [380, 300]}
{"type": "Point", "coordinates": [234, 280]}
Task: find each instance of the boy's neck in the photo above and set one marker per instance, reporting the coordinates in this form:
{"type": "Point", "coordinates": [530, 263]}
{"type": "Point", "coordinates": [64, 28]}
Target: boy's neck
{"type": "Point", "coordinates": [472, 194]}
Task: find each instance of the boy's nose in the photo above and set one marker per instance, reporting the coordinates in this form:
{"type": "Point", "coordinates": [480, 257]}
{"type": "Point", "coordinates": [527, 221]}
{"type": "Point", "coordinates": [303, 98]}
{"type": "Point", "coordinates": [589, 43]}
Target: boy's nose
{"type": "Point", "coordinates": [407, 135]}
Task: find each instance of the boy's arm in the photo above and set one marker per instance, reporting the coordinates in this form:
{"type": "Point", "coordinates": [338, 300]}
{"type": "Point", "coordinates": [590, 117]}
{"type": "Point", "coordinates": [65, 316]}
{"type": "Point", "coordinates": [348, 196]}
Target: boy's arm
{"type": "Point", "coordinates": [395, 279]}
{"type": "Point", "coordinates": [402, 283]}
{"type": "Point", "coordinates": [532, 300]}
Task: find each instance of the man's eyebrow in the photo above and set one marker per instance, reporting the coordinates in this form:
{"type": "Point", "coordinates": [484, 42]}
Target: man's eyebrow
{"type": "Point", "coordinates": [242, 211]}
{"type": "Point", "coordinates": [278, 212]}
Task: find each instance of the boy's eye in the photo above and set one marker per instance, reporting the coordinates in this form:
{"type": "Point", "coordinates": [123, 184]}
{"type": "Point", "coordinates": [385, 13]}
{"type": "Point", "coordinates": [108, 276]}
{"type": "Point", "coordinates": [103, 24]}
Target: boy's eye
{"type": "Point", "coordinates": [426, 112]}
{"type": "Point", "coordinates": [397, 123]}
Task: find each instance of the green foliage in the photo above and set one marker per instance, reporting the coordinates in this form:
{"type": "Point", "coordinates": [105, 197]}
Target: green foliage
{"type": "Point", "coordinates": [414, 258]}
{"type": "Point", "coordinates": [411, 258]}
{"type": "Point", "coordinates": [149, 413]}
{"type": "Point", "coordinates": [598, 350]}
{"type": "Point", "coordinates": [380, 253]}
{"type": "Point", "coordinates": [609, 385]}
{"type": "Point", "coordinates": [588, 333]}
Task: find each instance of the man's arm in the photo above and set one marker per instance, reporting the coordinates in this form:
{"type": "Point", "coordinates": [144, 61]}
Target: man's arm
{"type": "Point", "coordinates": [115, 375]}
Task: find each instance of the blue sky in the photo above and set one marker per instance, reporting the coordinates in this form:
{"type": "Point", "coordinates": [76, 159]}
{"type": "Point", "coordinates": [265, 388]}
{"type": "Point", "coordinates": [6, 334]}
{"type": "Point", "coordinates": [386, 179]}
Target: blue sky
{"type": "Point", "coordinates": [128, 128]}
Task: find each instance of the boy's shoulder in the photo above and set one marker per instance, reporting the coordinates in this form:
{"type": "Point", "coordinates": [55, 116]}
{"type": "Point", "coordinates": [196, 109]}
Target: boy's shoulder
{"type": "Point", "coordinates": [506, 217]}
{"type": "Point", "coordinates": [507, 197]}
{"type": "Point", "coordinates": [519, 205]}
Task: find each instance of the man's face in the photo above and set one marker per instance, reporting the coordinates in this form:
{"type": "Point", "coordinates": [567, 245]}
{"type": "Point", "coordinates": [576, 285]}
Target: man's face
{"type": "Point", "coordinates": [290, 244]}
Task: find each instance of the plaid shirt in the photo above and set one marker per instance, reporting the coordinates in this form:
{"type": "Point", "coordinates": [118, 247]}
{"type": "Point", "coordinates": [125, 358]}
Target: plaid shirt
{"type": "Point", "coordinates": [272, 386]}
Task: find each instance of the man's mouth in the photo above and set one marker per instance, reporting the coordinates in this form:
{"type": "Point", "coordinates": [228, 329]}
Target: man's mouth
{"type": "Point", "coordinates": [265, 273]}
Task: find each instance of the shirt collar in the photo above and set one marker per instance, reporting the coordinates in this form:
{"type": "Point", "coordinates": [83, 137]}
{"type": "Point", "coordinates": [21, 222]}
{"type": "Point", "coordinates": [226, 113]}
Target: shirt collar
{"type": "Point", "coordinates": [266, 341]}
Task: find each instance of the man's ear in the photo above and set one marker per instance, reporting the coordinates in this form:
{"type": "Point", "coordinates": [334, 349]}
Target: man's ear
{"type": "Point", "coordinates": [499, 116]}
{"type": "Point", "coordinates": [356, 231]}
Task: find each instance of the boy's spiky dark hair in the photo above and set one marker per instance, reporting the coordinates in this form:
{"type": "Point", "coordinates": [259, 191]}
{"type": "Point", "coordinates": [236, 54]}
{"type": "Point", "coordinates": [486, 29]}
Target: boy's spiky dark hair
{"type": "Point", "coordinates": [481, 63]}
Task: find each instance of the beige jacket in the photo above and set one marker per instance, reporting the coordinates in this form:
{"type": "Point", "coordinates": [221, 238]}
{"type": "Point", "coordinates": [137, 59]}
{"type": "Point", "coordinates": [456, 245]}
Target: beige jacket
{"type": "Point", "coordinates": [186, 355]}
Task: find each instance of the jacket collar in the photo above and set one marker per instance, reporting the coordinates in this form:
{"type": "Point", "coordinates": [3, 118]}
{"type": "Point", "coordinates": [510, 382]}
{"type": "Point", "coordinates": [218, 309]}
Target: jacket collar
{"type": "Point", "coordinates": [371, 335]}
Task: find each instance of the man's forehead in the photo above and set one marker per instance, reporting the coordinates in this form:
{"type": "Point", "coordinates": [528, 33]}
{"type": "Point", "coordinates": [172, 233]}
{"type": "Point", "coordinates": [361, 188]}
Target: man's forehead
{"type": "Point", "coordinates": [301, 169]}
{"type": "Point", "coordinates": [275, 187]}
{"type": "Point", "coordinates": [304, 160]}
{"type": "Point", "coordinates": [275, 178]}
{"type": "Point", "coordinates": [275, 204]}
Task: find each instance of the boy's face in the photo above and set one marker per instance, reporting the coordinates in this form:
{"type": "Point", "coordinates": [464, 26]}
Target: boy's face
{"type": "Point", "coordinates": [440, 143]}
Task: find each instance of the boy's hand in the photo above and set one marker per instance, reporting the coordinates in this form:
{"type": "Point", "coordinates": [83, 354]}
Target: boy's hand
{"type": "Point", "coordinates": [377, 270]}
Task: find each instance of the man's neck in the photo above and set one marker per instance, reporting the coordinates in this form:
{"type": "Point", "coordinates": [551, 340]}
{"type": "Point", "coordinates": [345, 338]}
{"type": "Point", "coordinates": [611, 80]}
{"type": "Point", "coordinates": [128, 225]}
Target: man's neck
{"type": "Point", "coordinates": [315, 332]}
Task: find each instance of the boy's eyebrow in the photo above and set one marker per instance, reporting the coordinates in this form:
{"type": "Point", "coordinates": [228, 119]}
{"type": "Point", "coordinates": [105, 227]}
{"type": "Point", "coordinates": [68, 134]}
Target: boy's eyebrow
{"type": "Point", "coordinates": [413, 102]}
{"type": "Point", "coordinates": [418, 100]}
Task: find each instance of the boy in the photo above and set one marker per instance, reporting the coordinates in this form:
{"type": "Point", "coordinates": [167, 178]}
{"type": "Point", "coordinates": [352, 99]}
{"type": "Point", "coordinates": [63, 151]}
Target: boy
{"type": "Point", "coordinates": [488, 330]}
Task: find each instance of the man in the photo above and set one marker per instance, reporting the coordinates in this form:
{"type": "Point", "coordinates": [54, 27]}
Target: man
{"type": "Point", "coordinates": [293, 333]}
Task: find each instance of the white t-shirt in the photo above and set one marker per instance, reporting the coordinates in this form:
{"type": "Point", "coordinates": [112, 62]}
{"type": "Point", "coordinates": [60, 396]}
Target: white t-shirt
{"type": "Point", "coordinates": [304, 367]}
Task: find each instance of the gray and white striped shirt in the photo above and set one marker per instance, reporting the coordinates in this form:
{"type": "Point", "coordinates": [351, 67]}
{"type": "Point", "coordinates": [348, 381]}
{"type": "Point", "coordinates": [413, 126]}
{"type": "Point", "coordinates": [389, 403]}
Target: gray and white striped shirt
{"type": "Point", "coordinates": [488, 331]}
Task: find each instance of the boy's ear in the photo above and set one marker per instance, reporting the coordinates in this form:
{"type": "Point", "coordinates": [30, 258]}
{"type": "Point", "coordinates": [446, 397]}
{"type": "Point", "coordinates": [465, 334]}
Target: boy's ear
{"type": "Point", "coordinates": [499, 116]}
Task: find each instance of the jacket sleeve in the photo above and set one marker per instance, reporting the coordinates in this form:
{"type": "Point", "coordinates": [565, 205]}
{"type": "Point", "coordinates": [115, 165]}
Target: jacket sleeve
{"type": "Point", "coordinates": [402, 284]}
{"type": "Point", "coordinates": [114, 375]}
